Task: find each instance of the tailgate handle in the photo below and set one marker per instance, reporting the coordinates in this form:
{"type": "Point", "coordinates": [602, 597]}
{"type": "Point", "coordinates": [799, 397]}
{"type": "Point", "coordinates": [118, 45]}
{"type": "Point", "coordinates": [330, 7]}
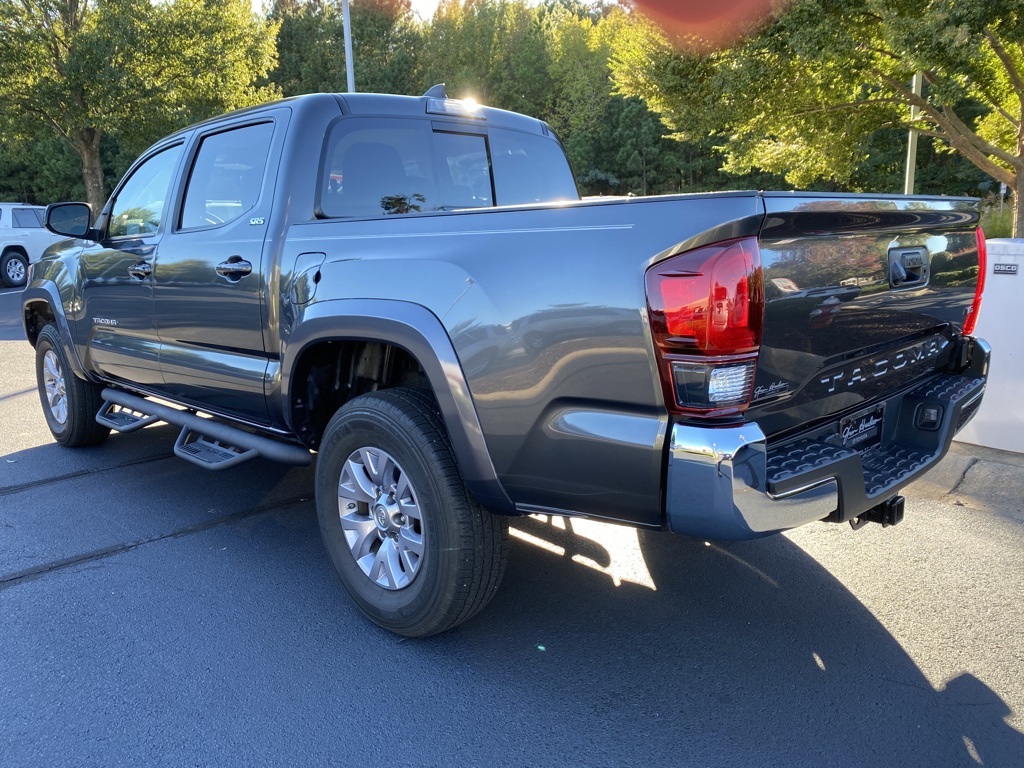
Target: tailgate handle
{"type": "Point", "coordinates": [908, 267]}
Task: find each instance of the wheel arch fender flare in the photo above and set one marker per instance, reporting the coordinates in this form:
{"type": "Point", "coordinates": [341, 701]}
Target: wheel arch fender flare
{"type": "Point", "coordinates": [419, 332]}
{"type": "Point", "coordinates": [45, 292]}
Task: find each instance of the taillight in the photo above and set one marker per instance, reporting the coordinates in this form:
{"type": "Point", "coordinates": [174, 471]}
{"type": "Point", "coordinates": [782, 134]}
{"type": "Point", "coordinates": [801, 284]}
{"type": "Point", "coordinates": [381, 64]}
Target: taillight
{"type": "Point", "coordinates": [972, 314]}
{"type": "Point", "coordinates": [706, 308]}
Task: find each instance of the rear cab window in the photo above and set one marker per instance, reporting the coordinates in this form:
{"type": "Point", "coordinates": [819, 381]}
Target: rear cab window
{"type": "Point", "coordinates": [530, 169]}
{"type": "Point", "coordinates": [396, 166]}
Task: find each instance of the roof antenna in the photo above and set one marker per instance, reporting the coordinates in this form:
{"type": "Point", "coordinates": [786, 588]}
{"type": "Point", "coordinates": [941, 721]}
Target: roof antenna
{"type": "Point", "coordinates": [436, 92]}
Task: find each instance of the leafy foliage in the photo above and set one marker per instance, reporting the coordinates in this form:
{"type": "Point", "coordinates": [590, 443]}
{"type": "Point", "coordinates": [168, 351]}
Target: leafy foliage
{"type": "Point", "coordinates": [497, 51]}
{"type": "Point", "coordinates": [386, 41]}
{"type": "Point", "coordinates": [817, 99]}
{"type": "Point", "coordinates": [132, 69]}
{"type": "Point", "coordinates": [806, 96]}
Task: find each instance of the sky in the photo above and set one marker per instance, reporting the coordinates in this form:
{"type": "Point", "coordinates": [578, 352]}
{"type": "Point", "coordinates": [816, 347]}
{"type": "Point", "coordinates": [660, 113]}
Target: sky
{"type": "Point", "coordinates": [424, 8]}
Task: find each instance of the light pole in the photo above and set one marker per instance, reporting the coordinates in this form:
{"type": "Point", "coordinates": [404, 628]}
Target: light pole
{"type": "Point", "coordinates": [350, 74]}
{"type": "Point", "coordinates": [908, 181]}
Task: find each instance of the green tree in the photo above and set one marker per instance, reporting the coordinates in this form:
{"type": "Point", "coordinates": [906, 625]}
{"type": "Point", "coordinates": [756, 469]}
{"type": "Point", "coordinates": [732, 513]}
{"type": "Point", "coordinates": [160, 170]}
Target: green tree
{"type": "Point", "coordinates": [642, 155]}
{"type": "Point", "coordinates": [580, 94]}
{"type": "Point", "coordinates": [386, 43]}
{"type": "Point", "coordinates": [496, 50]}
{"type": "Point", "coordinates": [88, 69]}
{"type": "Point", "coordinates": [804, 95]}
{"type": "Point", "coordinates": [615, 145]}
{"type": "Point", "coordinates": [39, 171]}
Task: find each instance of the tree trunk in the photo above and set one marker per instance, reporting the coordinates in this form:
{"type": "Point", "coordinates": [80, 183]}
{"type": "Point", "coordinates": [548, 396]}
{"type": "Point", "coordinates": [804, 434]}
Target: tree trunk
{"type": "Point", "coordinates": [87, 143]}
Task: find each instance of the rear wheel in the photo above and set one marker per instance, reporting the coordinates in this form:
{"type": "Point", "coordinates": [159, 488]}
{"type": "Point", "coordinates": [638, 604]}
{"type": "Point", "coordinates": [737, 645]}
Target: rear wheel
{"type": "Point", "coordinates": [70, 404]}
{"type": "Point", "coordinates": [414, 550]}
{"type": "Point", "coordinates": [13, 269]}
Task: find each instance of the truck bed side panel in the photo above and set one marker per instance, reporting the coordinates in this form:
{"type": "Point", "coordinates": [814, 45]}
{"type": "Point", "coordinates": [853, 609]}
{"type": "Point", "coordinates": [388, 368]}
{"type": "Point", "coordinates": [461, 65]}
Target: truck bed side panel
{"type": "Point", "coordinates": [545, 308]}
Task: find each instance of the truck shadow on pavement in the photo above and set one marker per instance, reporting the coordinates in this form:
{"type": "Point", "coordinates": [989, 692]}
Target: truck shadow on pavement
{"type": "Point", "coordinates": [746, 653]}
{"type": "Point", "coordinates": [604, 646]}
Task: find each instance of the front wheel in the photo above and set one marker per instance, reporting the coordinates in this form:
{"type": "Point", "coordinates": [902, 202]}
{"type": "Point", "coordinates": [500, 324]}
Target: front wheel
{"type": "Point", "coordinates": [70, 404]}
{"type": "Point", "coordinates": [414, 550]}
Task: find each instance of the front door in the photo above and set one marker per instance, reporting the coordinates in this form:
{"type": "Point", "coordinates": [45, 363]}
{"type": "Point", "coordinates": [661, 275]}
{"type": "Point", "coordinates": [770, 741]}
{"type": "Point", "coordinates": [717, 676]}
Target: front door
{"type": "Point", "coordinates": [209, 283]}
{"type": "Point", "coordinates": [116, 323]}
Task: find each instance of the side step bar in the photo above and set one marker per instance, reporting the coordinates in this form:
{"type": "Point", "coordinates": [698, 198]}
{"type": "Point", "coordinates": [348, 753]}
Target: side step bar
{"type": "Point", "coordinates": [205, 442]}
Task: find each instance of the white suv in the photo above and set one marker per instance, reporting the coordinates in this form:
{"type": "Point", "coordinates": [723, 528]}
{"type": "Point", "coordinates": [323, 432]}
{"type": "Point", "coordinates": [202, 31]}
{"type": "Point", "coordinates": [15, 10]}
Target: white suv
{"type": "Point", "coordinates": [23, 238]}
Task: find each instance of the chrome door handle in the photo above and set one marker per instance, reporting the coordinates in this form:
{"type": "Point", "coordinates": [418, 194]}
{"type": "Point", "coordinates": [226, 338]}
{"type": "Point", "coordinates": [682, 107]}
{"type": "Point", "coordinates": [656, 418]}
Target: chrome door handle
{"type": "Point", "coordinates": [140, 271]}
{"type": "Point", "coordinates": [234, 268]}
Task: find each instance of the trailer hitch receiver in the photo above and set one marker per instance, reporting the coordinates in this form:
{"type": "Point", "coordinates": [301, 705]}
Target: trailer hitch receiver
{"type": "Point", "coordinates": [889, 512]}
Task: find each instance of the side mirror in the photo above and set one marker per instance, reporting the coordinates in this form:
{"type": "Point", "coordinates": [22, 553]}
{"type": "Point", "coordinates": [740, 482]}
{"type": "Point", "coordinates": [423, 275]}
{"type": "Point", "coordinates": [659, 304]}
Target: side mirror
{"type": "Point", "coordinates": [69, 219]}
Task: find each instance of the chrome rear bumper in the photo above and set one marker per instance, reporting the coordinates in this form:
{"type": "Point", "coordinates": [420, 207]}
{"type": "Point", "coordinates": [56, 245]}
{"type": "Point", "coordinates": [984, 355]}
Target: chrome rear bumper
{"type": "Point", "coordinates": [728, 483]}
{"type": "Point", "coordinates": [717, 482]}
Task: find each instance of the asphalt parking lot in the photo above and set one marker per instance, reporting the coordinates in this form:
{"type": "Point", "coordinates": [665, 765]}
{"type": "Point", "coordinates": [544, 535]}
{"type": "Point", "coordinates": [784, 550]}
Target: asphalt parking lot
{"type": "Point", "coordinates": [152, 613]}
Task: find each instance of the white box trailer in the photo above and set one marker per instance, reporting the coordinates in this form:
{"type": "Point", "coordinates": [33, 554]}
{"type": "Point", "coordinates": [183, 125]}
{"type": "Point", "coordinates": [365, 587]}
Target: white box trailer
{"type": "Point", "coordinates": [999, 422]}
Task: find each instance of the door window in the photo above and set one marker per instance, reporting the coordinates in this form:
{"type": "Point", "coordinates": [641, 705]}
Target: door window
{"type": "Point", "coordinates": [139, 206]}
{"type": "Point", "coordinates": [28, 218]}
{"type": "Point", "coordinates": [227, 176]}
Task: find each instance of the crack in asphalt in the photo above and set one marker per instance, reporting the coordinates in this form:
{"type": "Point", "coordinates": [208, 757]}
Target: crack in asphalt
{"type": "Point", "coordinates": [963, 476]}
{"type": "Point", "coordinates": [19, 577]}
{"type": "Point", "coordinates": [12, 489]}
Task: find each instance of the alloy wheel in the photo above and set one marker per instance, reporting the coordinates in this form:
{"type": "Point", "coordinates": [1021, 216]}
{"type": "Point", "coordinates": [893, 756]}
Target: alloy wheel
{"type": "Point", "coordinates": [53, 382]}
{"type": "Point", "coordinates": [380, 517]}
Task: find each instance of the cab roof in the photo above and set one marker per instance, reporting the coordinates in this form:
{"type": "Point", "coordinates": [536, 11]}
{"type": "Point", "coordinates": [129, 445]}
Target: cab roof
{"type": "Point", "coordinates": [434, 103]}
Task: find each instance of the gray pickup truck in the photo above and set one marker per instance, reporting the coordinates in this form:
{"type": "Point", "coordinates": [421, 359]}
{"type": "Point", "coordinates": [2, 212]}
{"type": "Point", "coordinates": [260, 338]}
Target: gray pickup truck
{"type": "Point", "coordinates": [412, 289]}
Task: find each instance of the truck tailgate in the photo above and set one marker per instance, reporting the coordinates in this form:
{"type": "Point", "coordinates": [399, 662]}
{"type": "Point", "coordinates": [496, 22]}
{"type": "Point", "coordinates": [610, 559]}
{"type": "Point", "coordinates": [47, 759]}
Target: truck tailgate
{"type": "Point", "coordinates": [863, 296]}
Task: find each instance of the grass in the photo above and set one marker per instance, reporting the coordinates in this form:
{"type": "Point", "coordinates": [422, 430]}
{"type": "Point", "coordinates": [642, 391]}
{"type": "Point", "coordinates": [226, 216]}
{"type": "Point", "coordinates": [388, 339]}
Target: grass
{"type": "Point", "coordinates": [997, 223]}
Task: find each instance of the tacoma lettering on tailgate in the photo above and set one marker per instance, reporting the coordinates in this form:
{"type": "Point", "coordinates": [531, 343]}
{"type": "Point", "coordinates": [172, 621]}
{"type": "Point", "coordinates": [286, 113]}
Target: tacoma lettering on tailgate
{"type": "Point", "coordinates": [877, 367]}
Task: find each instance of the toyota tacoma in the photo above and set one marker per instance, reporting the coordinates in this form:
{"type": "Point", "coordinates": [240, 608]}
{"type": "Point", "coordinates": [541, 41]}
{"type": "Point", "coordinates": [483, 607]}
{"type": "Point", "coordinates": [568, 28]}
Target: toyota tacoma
{"type": "Point", "coordinates": [411, 289]}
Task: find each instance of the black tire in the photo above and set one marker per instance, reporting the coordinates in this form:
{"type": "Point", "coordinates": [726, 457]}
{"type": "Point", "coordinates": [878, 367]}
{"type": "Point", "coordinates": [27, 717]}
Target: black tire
{"type": "Point", "coordinates": [83, 400]}
{"type": "Point", "coordinates": [464, 547]}
{"type": "Point", "coordinates": [10, 260]}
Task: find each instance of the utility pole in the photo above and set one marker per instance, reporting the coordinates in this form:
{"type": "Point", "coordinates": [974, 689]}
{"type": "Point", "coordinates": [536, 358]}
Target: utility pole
{"type": "Point", "coordinates": [908, 182]}
{"type": "Point", "coordinates": [350, 74]}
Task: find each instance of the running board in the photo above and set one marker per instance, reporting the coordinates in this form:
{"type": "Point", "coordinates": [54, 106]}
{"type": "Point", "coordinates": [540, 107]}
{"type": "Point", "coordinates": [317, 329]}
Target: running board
{"type": "Point", "coordinates": [205, 442]}
{"type": "Point", "coordinates": [122, 419]}
{"type": "Point", "coordinates": [210, 454]}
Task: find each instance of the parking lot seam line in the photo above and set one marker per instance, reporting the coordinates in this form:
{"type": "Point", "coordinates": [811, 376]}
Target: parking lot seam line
{"type": "Point", "coordinates": [74, 475]}
{"type": "Point", "coordinates": [28, 574]}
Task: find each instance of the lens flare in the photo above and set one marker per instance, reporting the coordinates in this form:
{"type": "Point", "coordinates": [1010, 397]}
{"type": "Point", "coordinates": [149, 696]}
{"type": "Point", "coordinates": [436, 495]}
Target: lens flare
{"type": "Point", "coordinates": [700, 25]}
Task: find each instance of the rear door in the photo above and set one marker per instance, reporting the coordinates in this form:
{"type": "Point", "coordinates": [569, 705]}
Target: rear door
{"type": "Point", "coordinates": [209, 281]}
{"type": "Point", "coordinates": [28, 225]}
{"type": "Point", "coordinates": [862, 297]}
